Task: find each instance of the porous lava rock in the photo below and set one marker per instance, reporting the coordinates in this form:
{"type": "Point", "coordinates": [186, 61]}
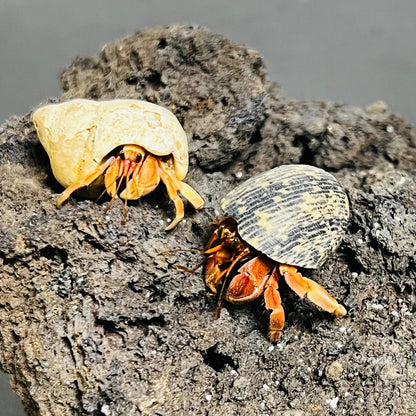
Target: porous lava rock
{"type": "Point", "coordinates": [95, 319]}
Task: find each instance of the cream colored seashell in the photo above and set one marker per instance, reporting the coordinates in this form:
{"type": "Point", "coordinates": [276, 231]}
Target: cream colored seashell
{"type": "Point", "coordinates": [78, 134]}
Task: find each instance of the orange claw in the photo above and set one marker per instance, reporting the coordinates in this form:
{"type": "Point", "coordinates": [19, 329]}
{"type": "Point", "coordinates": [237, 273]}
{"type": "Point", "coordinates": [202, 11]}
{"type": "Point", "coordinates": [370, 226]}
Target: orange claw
{"type": "Point", "coordinates": [252, 280]}
{"type": "Point", "coordinates": [111, 176]}
{"type": "Point", "coordinates": [144, 179]}
{"type": "Point", "coordinates": [303, 286]}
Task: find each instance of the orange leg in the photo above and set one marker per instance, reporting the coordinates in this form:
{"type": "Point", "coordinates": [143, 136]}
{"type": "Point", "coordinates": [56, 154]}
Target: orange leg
{"type": "Point", "coordinates": [233, 262]}
{"type": "Point", "coordinates": [173, 186]}
{"type": "Point", "coordinates": [217, 256]}
{"type": "Point", "coordinates": [274, 303]}
{"type": "Point", "coordinates": [173, 195]}
{"type": "Point", "coordinates": [213, 270]}
{"type": "Point", "coordinates": [84, 182]}
{"type": "Point", "coordinates": [113, 173]}
{"type": "Point", "coordinates": [303, 286]}
{"type": "Point", "coordinates": [214, 249]}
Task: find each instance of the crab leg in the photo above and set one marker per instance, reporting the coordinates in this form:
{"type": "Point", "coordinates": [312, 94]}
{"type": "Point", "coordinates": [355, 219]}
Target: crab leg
{"type": "Point", "coordinates": [84, 182]}
{"type": "Point", "coordinates": [173, 185]}
{"type": "Point", "coordinates": [186, 191]}
{"type": "Point", "coordinates": [303, 286]}
{"type": "Point", "coordinates": [274, 303]}
{"type": "Point", "coordinates": [173, 195]}
{"type": "Point", "coordinates": [212, 269]}
{"type": "Point", "coordinates": [213, 274]}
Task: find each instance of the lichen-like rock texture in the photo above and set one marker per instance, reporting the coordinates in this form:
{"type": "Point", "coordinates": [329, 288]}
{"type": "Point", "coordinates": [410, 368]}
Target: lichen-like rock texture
{"type": "Point", "coordinates": [95, 319]}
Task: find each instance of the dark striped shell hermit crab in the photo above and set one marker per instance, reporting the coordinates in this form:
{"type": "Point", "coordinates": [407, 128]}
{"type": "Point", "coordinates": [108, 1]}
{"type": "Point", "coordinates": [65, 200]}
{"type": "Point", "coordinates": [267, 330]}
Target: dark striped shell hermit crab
{"type": "Point", "coordinates": [290, 217]}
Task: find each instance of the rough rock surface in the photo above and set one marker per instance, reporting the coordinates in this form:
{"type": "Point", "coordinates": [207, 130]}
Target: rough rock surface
{"type": "Point", "coordinates": [94, 316]}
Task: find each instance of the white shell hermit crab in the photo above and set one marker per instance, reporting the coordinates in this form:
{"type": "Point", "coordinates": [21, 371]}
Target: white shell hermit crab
{"type": "Point", "coordinates": [96, 143]}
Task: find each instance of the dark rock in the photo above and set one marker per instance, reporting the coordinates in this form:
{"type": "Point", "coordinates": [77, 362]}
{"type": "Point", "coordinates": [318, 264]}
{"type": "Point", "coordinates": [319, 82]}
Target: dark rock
{"type": "Point", "coordinates": [96, 319]}
{"type": "Point", "coordinates": [215, 87]}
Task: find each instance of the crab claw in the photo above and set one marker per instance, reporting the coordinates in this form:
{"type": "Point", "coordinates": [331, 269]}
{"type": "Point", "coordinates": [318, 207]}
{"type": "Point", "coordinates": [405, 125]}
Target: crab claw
{"type": "Point", "coordinates": [253, 279]}
{"type": "Point", "coordinates": [144, 179]}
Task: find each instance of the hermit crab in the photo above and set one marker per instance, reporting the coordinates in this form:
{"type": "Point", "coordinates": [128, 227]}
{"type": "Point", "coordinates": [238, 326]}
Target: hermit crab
{"type": "Point", "coordinates": [96, 143]}
{"type": "Point", "coordinates": [290, 217]}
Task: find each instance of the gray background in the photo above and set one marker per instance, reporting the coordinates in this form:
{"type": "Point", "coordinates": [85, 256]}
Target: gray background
{"type": "Point", "coordinates": [355, 51]}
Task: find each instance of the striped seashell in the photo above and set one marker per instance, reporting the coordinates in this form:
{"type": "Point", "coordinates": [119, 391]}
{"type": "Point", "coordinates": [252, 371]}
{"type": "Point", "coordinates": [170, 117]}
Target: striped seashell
{"type": "Point", "coordinates": [294, 214]}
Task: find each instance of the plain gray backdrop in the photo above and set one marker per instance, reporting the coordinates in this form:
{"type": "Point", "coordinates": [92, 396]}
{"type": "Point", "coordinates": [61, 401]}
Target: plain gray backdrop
{"type": "Point", "coordinates": [354, 52]}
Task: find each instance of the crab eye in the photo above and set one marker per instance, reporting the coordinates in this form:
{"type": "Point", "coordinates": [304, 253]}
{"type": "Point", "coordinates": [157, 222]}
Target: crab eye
{"type": "Point", "coordinates": [132, 156]}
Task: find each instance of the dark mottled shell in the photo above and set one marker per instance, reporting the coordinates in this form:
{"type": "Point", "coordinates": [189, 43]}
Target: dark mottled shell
{"type": "Point", "coordinates": [295, 214]}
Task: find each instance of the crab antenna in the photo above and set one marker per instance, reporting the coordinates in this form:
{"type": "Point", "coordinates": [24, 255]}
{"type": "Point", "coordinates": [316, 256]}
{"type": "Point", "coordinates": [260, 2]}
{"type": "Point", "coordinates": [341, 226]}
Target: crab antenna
{"type": "Point", "coordinates": [113, 198]}
{"type": "Point", "coordinates": [101, 195]}
{"type": "Point", "coordinates": [119, 184]}
{"type": "Point", "coordinates": [184, 268]}
{"type": "Point", "coordinates": [125, 210]}
{"type": "Point", "coordinates": [221, 294]}
{"type": "Point", "coordinates": [110, 204]}
{"type": "Point", "coordinates": [181, 250]}
{"type": "Point", "coordinates": [187, 269]}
